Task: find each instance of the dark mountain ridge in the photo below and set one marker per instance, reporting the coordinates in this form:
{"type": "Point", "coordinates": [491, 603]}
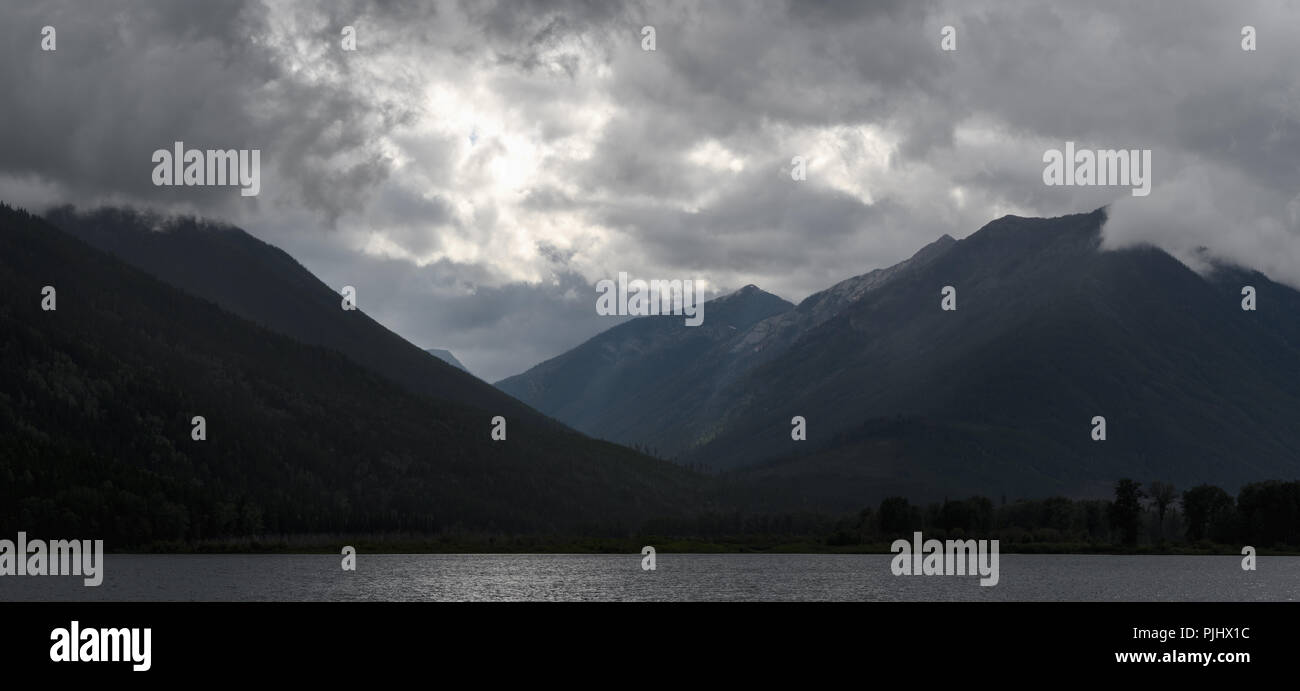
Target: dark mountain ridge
{"type": "Point", "coordinates": [97, 400]}
{"type": "Point", "coordinates": [614, 383]}
{"type": "Point", "coordinates": [262, 283]}
{"type": "Point", "coordinates": [998, 396]}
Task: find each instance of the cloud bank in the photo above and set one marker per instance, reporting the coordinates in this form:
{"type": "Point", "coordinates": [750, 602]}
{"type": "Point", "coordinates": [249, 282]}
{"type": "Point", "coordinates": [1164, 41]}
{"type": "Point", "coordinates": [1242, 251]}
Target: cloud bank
{"type": "Point", "coordinates": [473, 168]}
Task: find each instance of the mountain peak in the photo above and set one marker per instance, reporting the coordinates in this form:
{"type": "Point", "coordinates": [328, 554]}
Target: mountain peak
{"type": "Point", "coordinates": [749, 291]}
{"type": "Point", "coordinates": [933, 249]}
{"type": "Point", "coordinates": [746, 306]}
{"type": "Point", "coordinates": [1091, 220]}
{"type": "Point", "coordinates": [446, 356]}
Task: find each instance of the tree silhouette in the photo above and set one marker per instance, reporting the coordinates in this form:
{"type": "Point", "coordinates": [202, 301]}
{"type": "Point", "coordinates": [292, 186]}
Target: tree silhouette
{"type": "Point", "coordinates": [1126, 512]}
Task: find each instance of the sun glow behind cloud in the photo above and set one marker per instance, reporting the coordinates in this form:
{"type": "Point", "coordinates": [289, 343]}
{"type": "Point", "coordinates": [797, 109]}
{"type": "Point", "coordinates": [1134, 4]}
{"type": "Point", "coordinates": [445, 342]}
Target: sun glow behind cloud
{"type": "Point", "coordinates": [518, 152]}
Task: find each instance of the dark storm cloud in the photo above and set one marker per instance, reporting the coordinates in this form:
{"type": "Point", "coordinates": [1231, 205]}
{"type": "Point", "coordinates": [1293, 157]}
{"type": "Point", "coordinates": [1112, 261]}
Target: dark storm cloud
{"type": "Point", "coordinates": [129, 78]}
{"type": "Point", "coordinates": [481, 163]}
{"type": "Point", "coordinates": [764, 207]}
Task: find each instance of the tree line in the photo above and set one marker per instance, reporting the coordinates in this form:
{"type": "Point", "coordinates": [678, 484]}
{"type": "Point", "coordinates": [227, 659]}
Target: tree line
{"type": "Point", "coordinates": [1263, 514]}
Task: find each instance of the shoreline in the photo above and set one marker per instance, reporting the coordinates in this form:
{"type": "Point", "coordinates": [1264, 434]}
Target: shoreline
{"type": "Point", "coordinates": [632, 546]}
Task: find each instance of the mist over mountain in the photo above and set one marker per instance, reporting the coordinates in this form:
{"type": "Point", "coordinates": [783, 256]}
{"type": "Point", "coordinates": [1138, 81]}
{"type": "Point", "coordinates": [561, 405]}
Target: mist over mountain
{"type": "Point", "coordinates": [996, 397]}
{"type": "Point", "coordinates": [100, 396]}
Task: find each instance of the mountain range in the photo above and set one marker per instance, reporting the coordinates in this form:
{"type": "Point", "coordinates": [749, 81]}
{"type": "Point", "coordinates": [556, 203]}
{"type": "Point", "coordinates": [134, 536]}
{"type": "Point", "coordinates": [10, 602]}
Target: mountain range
{"type": "Point", "coordinates": [996, 397]}
{"type": "Point", "coordinates": [319, 419]}
{"type": "Point", "coordinates": [141, 412]}
{"type": "Point", "coordinates": [262, 283]}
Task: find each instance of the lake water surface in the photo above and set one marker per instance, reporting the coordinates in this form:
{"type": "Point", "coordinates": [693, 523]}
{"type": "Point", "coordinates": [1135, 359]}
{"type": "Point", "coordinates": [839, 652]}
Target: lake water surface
{"type": "Point", "coordinates": [678, 577]}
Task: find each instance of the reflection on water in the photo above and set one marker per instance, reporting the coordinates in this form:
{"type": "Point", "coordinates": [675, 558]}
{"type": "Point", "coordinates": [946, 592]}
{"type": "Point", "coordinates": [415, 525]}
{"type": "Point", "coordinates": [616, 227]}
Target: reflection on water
{"type": "Point", "coordinates": [677, 577]}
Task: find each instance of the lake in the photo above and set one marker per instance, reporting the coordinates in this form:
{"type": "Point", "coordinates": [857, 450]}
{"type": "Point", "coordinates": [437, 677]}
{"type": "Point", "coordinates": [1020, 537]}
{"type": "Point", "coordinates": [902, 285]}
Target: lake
{"type": "Point", "coordinates": [678, 577]}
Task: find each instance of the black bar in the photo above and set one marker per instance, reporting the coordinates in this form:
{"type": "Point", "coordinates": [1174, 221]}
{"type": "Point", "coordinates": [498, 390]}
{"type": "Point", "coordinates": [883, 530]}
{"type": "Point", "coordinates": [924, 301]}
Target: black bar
{"type": "Point", "coordinates": [664, 641]}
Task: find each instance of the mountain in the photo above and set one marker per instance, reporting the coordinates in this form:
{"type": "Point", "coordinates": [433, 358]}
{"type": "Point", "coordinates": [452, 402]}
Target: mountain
{"type": "Point", "coordinates": [653, 381]}
{"type": "Point", "coordinates": [638, 382]}
{"type": "Point", "coordinates": [447, 357]}
{"type": "Point", "coordinates": [263, 284]}
{"type": "Point", "coordinates": [997, 397]}
{"type": "Point", "coordinates": [98, 399]}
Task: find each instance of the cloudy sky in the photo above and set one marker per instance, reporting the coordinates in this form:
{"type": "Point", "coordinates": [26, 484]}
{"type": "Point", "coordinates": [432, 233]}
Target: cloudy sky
{"type": "Point", "coordinates": [474, 167]}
